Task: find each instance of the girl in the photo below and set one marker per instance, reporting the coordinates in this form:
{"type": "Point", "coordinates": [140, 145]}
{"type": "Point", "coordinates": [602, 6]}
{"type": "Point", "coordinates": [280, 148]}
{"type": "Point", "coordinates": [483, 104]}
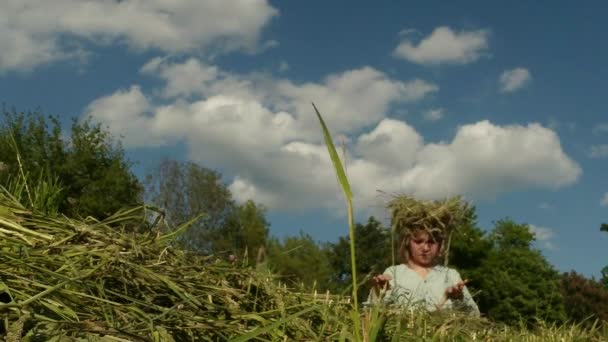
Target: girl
{"type": "Point", "coordinates": [419, 281]}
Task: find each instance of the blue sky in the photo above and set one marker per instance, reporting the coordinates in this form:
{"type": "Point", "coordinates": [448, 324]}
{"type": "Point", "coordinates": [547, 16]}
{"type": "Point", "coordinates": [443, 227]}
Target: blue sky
{"type": "Point", "coordinates": [505, 105]}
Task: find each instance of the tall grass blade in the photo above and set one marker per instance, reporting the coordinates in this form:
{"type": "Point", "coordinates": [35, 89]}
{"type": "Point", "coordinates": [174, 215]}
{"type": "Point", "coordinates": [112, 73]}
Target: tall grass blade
{"type": "Point", "coordinates": [334, 157]}
{"type": "Point", "coordinates": [349, 207]}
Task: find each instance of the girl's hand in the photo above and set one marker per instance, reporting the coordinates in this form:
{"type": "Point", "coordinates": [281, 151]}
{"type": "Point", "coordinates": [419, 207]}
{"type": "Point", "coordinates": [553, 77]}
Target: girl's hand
{"type": "Point", "coordinates": [381, 281]}
{"type": "Point", "coordinates": [455, 291]}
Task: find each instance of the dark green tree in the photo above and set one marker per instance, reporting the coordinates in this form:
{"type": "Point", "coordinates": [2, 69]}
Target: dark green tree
{"type": "Point", "coordinates": [373, 251]}
{"type": "Point", "coordinates": [468, 251]}
{"type": "Point", "coordinates": [517, 283]}
{"type": "Point", "coordinates": [300, 262]}
{"type": "Point", "coordinates": [87, 164]}
{"type": "Point", "coordinates": [97, 174]}
{"type": "Point", "coordinates": [245, 233]}
{"type": "Point", "coordinates": [604, 228]}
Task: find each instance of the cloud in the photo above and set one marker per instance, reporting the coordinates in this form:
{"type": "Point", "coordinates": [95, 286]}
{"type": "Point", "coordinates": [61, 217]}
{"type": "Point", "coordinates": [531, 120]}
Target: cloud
{"type": "Point", "coordinates": [263, 131]}
{"type": "Point", "coordinates": [514, 79]}
{"type": "Point", "coordinates": [433, 114]}
{"type": "Point", "coordinates": [349, 100]}
{"type": "Point", "coordinates": [283, 66]}
{"type": "Point", "coordinates": [391, 143]}
{"type": "Point", "coordinates": [183, 79]}
{"type": "Point", "coordinates": [598, 151]}
{"type": "Point", "coordinates": [600, 128]}
{"type": "Point", "coordinates": [129, 108]}
{"type": "Point", "coordinates": [35, 32]}
{"type": "Point", "coordinates": [484, 160]}
{"type": "Point", "coordinates": [604, 200]}
{"type": "Point", "coordinates": [543, 235]}
{"type": "Point", "coordinates": [444, 45]}
{"type": "Point", "coordinates": [545, 206]}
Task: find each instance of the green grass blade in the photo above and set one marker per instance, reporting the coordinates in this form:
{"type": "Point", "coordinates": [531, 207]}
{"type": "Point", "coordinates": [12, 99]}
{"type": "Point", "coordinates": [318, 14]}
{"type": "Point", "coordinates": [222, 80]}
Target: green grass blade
{"type": "Point", "coordinates": [272, 326]}
{"type": "Point", "coordinates": [349, 206]}
{"type": "Point", "coordinates": [334, 157]}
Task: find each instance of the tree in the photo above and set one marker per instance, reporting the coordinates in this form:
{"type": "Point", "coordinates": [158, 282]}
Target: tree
{"type": "Point", "coordinates": [89, 167]}
{"type": "Point", "coordinates": [300, 262]}
{"type": "Point", "coordinates": [468, 251]}
{"type": "Point", "coordinates": [516, 282]}
{"type": "Point", "coordinates": [97, 173]}
{"type": "Point", "coordinates": [373, 251]}
{"type": "Point", "coordinates": [245, 232]}
{"type": "Point", "coordinates": [186, 190]}
{"type": "Point", "coordinates": [585, 299]}
{"type": "Point", "coordinates": [604, 228]}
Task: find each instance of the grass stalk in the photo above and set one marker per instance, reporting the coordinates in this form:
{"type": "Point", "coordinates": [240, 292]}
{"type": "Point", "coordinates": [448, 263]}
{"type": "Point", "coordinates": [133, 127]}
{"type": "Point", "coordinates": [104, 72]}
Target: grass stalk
{"type": "Point", "coordinates": [343, 180]}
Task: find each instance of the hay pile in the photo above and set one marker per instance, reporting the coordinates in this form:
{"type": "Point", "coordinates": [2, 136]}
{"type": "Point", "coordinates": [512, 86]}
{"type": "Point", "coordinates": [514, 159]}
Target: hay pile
{"type": "Point", "coordinates": [439, 218]}
{"type": "Point", "coordinates": [68, 280]}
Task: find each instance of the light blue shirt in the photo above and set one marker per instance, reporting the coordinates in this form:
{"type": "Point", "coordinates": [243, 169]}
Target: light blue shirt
{"type": "Point", "coordinates": [409, 289]}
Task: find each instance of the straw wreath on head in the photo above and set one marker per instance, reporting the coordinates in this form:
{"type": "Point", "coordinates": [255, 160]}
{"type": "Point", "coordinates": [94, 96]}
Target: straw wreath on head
{"type": "Point", "coordinates": [438, 218]}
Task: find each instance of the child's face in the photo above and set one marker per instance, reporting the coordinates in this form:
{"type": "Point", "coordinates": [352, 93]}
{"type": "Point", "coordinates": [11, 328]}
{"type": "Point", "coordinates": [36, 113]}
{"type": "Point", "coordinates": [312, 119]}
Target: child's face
{"type": "Point", "coordinates": [423, 249]}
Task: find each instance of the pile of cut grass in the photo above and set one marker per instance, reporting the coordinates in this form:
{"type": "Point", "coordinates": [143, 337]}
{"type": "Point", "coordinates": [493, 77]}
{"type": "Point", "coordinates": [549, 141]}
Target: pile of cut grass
{"type": "Point", "coordinates": [435, 217]}
{"type": "Point", "coordinates": [64, 278]}
{"type": "Point", "coordinates": [69, 280]}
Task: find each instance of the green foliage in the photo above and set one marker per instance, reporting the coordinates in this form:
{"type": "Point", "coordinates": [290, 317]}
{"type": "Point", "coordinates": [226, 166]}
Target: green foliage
{"type": "Point", "coordinates": [299, 261]}
{"type": "Point", "coordinates": [470, 247]}
{"type": "Point", "coordinates": [373, 250]}
{"type": "Point", "coordinates": [469, 250]}
{"type": "Point", "coordinates": [604, 228]}
{"type": "Point", "coordinates": [245, 233]}
{"type": "Point", "coordinates": [185, 190]}
{"type": "Point", "coordinates": [89, 168]}
{"type": "Point", "coordinates": [517, 283]}
{"type": "Point", "coordinates": [97, 174]}
{"type": "Point", "coordinates": [585, 299]}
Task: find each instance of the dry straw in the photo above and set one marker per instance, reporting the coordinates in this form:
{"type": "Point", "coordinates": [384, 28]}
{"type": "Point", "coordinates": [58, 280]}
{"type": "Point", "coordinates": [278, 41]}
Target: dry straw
{"type": "Point", "coordinates": [64, 279]}
{"type": "Point", "coordinates": [438, 218]}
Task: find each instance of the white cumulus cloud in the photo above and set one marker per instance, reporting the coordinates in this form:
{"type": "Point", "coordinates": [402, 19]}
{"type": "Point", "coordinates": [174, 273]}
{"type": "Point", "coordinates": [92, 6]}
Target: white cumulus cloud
{"type": "Point", "coordinates": [433, 114]}
{"type": "Point", "coordinates": [600, 128]}
{"type": "Point", "coordinates": [543, 235]}
{"type": "Point", "coordinates": [34, 32]}
{"type": "Point", "coordinates": [349, 100]}
{"type": "Point", "coordinates": [484, 160]}
{"type": "Point", "coordinates": [514, 79]}
{"type": "Point", "coordinates": [444, 45]}
{"type": "Point", "coordinates": [598, 151]}
{"type": "Point", "coordinates": [264, 131]}
{"type": "Point", "coordinates": [604, 200]}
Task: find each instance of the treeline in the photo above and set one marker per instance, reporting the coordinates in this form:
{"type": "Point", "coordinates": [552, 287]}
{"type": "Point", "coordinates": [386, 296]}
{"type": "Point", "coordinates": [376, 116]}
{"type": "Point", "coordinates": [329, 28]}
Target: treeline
{"type": "Point", "coordinates": [85, 173]}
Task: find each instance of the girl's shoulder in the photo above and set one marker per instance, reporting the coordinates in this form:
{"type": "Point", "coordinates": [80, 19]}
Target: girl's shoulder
{"type": "Point", "coordinates": [395, 269]}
